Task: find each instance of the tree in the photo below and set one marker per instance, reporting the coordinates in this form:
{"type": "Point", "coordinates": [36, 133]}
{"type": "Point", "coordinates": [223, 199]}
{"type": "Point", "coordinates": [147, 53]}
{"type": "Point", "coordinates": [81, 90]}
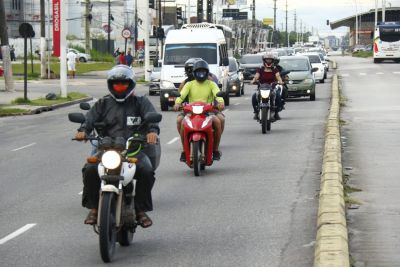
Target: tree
{"type": "Point", "coordinates": [5, 50]}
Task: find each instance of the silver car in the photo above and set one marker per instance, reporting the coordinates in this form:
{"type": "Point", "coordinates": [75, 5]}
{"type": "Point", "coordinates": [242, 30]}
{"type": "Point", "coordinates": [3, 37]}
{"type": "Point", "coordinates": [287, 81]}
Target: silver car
{"type": "Point", "coordinates": [82, 57]}
{"type": "Point", "coordinates": [154, 86]}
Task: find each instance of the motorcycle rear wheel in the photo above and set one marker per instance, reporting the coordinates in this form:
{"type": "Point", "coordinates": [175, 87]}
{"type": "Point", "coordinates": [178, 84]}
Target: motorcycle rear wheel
{"type": "Point", "coordinates": [107, 226]}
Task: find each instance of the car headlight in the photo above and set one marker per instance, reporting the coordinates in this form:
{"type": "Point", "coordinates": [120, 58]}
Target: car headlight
{"type": "Point", "coordinates": [111, 159]}
{"type": "Point", "coordinates": [167, 85]}
{"type": "Point", "coordinates": [308, 81]}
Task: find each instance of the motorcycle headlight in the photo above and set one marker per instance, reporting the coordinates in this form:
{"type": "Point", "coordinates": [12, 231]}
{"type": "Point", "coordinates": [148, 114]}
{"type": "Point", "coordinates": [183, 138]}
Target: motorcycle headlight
{"type": "Point", "coordinates": [197, 109]}
{"type": "Point", "coordinates": [167, 85]}
{"type": "Point", "coordinates": [265, 93]}
{"type": "Point", "coordinates": [111, 159]}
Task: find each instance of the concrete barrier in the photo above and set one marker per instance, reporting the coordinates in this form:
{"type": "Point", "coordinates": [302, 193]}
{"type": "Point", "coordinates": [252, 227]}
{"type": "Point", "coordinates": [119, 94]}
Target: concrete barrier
{"type": "Point", "coordinates": [332, 249]}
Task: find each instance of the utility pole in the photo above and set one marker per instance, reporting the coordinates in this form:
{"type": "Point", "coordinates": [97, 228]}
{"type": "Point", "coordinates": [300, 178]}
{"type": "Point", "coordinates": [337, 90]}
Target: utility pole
{"type": "Point", "coordinates": [274, 15]}
{"type": "Point", "coordinates": [136, 27]}
{"type": "Point", "coordinates": [383, 10]}
{"type": "Point", "coordinates": [287, 34]}
{"type": "Point", "coordinates": [109, 27]}
{"type": "Point", "coordinates": [301, 32]}
{"type": "Point", "coordinates": [42, 40]}
{"type": "Point", "coordinates": [253, 24]}
{"type": "Point", "coordinates": [5, 50]}
{"type": "Point", "coordinates": [146, 22]}
{"type": "Point", "coordinates": [160, 27]}
{"type": "Point", "coordinates": [87, 26]}
{"type": "Point", "coordinates": [63, 48]}
{"type": "Point", "coordinates": [376, 13]}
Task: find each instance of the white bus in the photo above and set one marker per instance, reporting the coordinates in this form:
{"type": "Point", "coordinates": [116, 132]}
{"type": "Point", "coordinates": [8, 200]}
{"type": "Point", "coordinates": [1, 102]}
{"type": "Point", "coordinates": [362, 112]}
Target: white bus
{"type": "Point", "coordinates": [387, 41]}
{"type": "Point", "coordinates": [180, 45]}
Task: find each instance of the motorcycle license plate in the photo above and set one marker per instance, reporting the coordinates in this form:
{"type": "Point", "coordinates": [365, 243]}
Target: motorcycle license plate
{"type": "Point", "coordinates": [171, 99]}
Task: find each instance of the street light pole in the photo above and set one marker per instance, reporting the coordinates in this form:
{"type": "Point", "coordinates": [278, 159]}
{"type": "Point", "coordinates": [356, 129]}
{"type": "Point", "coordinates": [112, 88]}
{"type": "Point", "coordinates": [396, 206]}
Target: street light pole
{"type": "Point", "coordinates": [383, 10]}
{"type": "Point", "coordinates": [109, 27]}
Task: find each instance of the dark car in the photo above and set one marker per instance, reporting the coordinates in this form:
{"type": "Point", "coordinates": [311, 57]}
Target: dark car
{"type": "Point", "coordinates": [250, 63]}
{"type": "Point", "coordinates": [235, 81]}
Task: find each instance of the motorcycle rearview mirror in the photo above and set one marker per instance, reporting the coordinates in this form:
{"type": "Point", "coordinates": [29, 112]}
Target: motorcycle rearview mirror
{"type": "Point", "coordinates": [175, 94]}
{"type": "Point", "coordinates": [84, 106]}
{"type": "Point", "coordinates": [221, 94]}
{"type": "Point", "coordinates": [152, 117]}
{"type": "Point", "coordinates": [76, 117]}
{"type": "Point", "coordinates": [314, 69]}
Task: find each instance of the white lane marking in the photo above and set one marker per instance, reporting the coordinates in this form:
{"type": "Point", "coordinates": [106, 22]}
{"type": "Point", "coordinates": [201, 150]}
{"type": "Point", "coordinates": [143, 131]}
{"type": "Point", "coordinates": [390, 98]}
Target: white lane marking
{"type": "Point", "coordinates": [380, 73]}
{"type": "Point", "coordinates": [226, 110]}
{"type": "Point", "coordinates": [396, 72]}
{"type": "Point", "coordinates": [345, 75]}
{"type": "Point", "coordinates": [80, 193]}
{"type": "Point", "coordinates": [24, 147]}
{"type": "Point", "coordinates": [173, 140]}
{"type": "Point", "coordinates": [17, 233]}
{"type": "Point", "coordinates": [311, 244]}
{"type": "Point", "coordinates": [236, 104]}
{"type": "Point", "coordinates": [362, 74]}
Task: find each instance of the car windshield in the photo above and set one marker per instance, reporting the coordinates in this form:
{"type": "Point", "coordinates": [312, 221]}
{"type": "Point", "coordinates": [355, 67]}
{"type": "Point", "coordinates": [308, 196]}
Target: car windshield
{"type": "Point", "coordinates": [314, 59]}
{"type": "Point", "coordinates": [157, 69]}
{"type": "Point", "coordinates": [251, 59]}
{"type": "Point", "coordinates": [232, 65]}
{"type": "Point", "coordinates": [295, 64]}
{"type": "Point", "coordinates": [177, 54]}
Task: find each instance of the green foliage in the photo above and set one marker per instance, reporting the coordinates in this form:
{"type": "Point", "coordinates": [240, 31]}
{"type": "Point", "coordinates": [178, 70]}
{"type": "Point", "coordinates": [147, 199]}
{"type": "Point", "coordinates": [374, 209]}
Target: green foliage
{"type": "Point", "coordinates": [363, 54]}
{"type": "Point", "coordinates": [102, 57]}
{"type": "Point", "coordinates": [21, 101]}
{"type": "Point", "coordinates": [4, 110]}
{"type": "Point", "coordinates": [77, 47]}
{"type": "Point", "coordinates": [72, 37]}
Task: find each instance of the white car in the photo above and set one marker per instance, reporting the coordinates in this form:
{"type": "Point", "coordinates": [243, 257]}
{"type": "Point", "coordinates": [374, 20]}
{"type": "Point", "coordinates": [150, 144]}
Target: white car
{"type": "Point", "coordinates": [82, 57]}
{"type": "Point", "coordinates": [316, 62]}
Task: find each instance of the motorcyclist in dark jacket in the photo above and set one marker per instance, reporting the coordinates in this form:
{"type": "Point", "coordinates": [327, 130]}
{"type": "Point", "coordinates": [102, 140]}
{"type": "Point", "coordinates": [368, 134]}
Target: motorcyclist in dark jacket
{"type": "Point", "coordinates": [122, 112]}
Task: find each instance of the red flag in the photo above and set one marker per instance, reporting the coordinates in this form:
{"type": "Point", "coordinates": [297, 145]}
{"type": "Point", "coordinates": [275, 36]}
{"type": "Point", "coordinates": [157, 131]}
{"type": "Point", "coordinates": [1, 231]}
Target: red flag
{"type": "Point", "coordinates": [56, 27]}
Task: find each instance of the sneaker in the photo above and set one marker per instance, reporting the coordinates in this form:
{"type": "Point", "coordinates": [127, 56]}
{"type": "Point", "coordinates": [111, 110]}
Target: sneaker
{"type": "Point", "coordinates": [216, 155]}
{"type": "Point", "coordinates": [256, 116]}
{"type": "Point", "coordinates": [276, 116]}
{"type": "Point", "coordinates": [183, 157]}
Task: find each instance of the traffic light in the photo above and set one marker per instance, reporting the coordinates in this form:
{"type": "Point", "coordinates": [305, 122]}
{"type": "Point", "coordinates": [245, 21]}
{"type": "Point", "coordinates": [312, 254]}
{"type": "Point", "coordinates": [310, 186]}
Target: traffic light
{"type": "Point", "coordinates": [151, 4]}
{"type": "Point", "coordinates": [179, 16]}
{"type": "Point", "coordinates": [209, 11]}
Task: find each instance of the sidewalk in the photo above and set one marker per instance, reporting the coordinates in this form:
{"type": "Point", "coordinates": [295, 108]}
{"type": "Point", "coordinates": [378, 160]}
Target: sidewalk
{"type": "Point", "coordinates": [38, 92]}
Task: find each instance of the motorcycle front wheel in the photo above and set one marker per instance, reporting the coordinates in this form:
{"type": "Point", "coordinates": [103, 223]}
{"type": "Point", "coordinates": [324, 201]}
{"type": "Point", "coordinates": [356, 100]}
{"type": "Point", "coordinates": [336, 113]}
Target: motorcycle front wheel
{"type": "Point", "coordinates": [196, 158]}
{"type": "Point", "coordinates": [264, 120]}
{"type": "Point", "coordinates": [107, 226]}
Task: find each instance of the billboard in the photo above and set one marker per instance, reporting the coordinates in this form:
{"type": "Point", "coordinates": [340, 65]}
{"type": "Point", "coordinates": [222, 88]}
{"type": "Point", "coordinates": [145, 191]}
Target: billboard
{"type": "Point", "coordinates": [268, 21]}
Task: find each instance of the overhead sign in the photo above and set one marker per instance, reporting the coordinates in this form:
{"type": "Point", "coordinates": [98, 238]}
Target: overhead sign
{"type": "Point", "coordinates": [268, 21]}
{"type": "Point", "coordinates": [126, 33]}
{"type": "Point", "coordinates": [230, 13]}
{"type": "Point", "coordinates": [241, 16]}
{"type": "Point", "coordinates": [56, 28]}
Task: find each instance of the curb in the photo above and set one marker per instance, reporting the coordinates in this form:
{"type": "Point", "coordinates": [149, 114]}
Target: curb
{"type": "Point", "coordinates": [332, 249]}
{"type": "Point", "coordinates": [48, 108]}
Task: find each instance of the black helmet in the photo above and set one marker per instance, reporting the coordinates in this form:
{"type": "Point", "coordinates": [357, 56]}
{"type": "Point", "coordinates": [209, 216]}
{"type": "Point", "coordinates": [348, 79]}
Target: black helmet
{"type": "Point", "coordinates": [189, 67]}
{"type": "Point", "coordinates": [117, 75]}
{"type": "Point", "coordinates": [201, 70]}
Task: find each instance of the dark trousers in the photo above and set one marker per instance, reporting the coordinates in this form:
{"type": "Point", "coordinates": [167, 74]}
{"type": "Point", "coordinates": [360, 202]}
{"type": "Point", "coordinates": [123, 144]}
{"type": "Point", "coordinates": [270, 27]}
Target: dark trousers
{"type": "Point", "coordinates": [144, 183]}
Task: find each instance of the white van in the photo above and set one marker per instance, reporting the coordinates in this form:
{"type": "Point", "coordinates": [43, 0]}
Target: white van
{"type": "Point", "coordinates": [206, 42]}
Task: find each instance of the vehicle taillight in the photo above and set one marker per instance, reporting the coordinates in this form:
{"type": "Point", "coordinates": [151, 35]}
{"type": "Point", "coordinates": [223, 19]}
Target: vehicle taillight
{"type": "Point", "coordinates": [375, 47]}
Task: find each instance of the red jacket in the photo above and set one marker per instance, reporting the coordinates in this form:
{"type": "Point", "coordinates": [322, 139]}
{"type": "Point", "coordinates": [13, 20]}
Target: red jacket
{"type": "Point", "coordinates": [122, 59]}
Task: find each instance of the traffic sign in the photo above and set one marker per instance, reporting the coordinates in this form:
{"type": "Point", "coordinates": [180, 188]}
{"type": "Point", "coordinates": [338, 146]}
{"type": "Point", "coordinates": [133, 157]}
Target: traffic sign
{"type": "Point", "coordinates": [107, 28]}
{"type": "Point", "coordinates": [227, 13]}
{"type": "Point", "coordinates": [126, 33]}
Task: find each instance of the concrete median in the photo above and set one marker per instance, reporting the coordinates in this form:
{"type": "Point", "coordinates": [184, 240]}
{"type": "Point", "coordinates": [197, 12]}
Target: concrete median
{"type": "Point", "coordinates": [332, 249]}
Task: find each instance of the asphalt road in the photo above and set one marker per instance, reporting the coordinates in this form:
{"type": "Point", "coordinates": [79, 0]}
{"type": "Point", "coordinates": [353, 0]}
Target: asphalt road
{"type": "Point", "coordinates": [371, 155]}
{"type": "Point", "coordinates": [255, 207]}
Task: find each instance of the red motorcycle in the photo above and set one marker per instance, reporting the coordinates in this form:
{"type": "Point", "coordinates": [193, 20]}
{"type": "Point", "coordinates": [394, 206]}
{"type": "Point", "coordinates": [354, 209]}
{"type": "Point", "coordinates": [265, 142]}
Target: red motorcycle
{"type": "Point", "coordinates": [198, 135]}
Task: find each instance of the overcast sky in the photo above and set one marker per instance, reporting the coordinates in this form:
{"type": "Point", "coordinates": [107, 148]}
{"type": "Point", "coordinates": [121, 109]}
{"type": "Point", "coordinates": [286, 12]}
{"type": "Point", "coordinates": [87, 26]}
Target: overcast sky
{"type": "Point", "coordinates": [313, 13]}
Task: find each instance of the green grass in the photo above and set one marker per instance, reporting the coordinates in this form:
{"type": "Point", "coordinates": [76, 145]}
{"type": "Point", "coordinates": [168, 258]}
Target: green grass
{"type": "Point", "coordinates": [18, 69]}
{"type": "Point", "coordinates": [363, 54]}
{"type": "Point", "coordinates": [44, 102]}
{"type": "Point", "coordinates": [102, 57]}
{"type": "Point", "coordinates": [6, 111]}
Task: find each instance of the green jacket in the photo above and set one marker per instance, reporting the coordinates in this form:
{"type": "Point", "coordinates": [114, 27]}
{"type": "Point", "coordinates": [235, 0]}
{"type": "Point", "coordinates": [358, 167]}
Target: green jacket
{"type": "Point", "coordinates": [200, 91]}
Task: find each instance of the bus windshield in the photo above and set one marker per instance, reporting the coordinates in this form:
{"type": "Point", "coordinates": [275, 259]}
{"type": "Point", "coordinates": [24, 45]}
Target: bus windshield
{"type": "Point", "coordinates": [389, 33]}
{"type": "Point", "coordinates": [177, 54]}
